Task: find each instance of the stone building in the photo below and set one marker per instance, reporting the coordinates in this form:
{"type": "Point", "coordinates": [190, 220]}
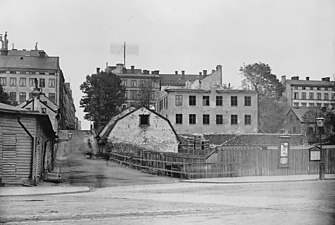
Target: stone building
{"type": "Point", "coordinates": [141, 127]}
{"type": "Point", "coordinates": [309, 93]}
{"type": "Point", "coordinates": [22, 70]}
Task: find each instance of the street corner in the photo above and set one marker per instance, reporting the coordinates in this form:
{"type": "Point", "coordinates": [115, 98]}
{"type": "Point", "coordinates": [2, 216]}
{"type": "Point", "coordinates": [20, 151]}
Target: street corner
{"type": "Point", "coordinates": [35, 191]}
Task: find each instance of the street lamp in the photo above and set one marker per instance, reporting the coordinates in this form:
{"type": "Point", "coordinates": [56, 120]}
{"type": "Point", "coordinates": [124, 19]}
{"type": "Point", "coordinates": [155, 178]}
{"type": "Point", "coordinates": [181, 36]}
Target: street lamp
{"type": "Point", "coordinates": [322, 168]}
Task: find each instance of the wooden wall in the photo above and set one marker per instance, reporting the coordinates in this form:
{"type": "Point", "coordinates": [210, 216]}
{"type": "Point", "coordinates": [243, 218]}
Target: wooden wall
{"type": "Point", "coordinates": [17, 145]}
{"type": "Point", "coordinates": [264, 161]}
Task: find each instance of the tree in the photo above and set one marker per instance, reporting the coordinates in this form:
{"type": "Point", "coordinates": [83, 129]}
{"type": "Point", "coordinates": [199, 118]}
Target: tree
{"type": "Point", "coordinates": [271, 103]}
{"type": "Point", "coordinates": [4, 98]}
{"type": "Point", "coordinates": [328, 134]}
{"type": "Point", "coordinates": [103, 96]}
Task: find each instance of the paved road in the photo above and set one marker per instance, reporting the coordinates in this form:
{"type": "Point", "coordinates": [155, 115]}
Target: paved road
{"type": "Point", "coordinates": [308, 202]}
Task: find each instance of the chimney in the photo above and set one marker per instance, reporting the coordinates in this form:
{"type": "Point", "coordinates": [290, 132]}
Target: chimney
{"type": "Point", "coordinates": [132, 69]}
{"type": "Point", "coordinates": [200, 73]}
{"type": "Point", "coordinates": [98, 70]}
{"type": "Point", "coordinates": [176, 72]}
{"type": "Point", "coordinates": [183, 74]}
{"type": "Point", "coordinates": [325, 79]}
{"type": "Point", "coordinates": [213, 71]}
{"type": "Point", "coordinates": [204, 72]}
{"type": "Point", "coordinates": [307, 78]}
{"type": "Point", "coordinates": [295, 78]}
{"type": "Point", "coordinates": [41, 53]}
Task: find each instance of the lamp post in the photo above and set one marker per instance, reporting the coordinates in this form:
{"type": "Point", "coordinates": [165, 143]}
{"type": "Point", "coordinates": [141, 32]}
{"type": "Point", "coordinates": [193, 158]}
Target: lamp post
{"type": "Point", "coordinates": [322, 168]}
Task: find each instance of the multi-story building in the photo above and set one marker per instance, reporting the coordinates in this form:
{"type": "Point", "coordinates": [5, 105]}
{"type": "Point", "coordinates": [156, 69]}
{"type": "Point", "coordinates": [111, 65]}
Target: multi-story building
{"type": "Point", "coordinates": [206, 106]}
{"type": "Point", "coordinates": [22, 70]}
{"type": "Point", "coordinates": [309, 93]}
{"type": "Point", "coordinates": [134, 80]}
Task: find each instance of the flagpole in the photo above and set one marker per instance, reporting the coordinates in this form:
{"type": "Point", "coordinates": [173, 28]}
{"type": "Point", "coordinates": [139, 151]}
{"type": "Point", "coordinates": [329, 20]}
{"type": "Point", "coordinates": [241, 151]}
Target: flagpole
{"type": "Point", "coordinates": [124, 54]}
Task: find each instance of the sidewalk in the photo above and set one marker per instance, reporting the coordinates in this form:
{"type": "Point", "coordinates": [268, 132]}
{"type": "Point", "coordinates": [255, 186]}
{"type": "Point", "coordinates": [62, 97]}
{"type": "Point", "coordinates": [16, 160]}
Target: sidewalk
{"type": "Point", "coordinates": [41, 190]}
{"type": "Point", "coordinates": [260, 179]}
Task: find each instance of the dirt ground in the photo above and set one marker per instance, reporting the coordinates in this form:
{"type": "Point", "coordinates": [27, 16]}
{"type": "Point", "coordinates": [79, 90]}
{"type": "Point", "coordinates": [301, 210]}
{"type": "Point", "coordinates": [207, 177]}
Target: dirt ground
{"type": "Point", "coordinates": [78, 170]}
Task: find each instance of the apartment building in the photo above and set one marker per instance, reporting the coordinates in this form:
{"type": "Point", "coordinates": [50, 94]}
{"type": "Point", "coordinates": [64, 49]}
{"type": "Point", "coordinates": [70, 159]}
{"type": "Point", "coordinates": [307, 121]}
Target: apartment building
{"type": "Point", "coordinates": [134, 79]}
{"type": "Point", "coordinates": [206, 106]}
{"type": "Point", "coordinates": [22, 70]}
{"type": "Point", "coordinates": [309, 93]}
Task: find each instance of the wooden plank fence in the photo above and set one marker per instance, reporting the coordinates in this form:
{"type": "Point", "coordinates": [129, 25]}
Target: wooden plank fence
{"type": "Point", "coordinates": [175, 165]}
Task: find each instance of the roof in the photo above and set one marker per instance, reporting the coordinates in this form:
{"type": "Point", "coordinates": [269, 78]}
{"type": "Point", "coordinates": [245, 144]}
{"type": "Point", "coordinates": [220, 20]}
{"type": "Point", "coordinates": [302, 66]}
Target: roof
{"type": "Point", "coordinates": [26, 52]}
{"type": "Point", "coordinates": [33, 61]}
{"type": "Point", "coordinates": [187, 90]}
{"type": "Point", "coordinates": [176, 79]}
{"type": "Point", "coordinates": [109, 127]}
{"type": "Point", "coordinates": [9, 107]}
{"type": "Point", "coordinates": [310, 83]}
{"type": "Point", "coordinates": [299, 112]}
{"type": "Point", "coordinates": [42, 118]}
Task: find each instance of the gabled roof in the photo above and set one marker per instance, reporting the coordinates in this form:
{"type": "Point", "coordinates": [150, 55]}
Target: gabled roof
{"type": "Point", "coordinates": [109, 127]}
{"type": "Point", "coordinates": [299, 112]}
{"type": "Point", "coordinates": [9, 107]}
{"type": "Point", "coordinates": [27, 102]}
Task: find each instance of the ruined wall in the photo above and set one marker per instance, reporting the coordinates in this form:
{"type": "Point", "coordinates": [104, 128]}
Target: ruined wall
{"type": "Point", "coordinates": [157, 136]}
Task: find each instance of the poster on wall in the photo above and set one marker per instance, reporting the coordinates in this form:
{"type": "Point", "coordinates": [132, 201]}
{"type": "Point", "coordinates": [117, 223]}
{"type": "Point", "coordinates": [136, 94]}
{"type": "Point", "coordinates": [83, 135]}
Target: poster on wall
{"type": "Point", "coordinates": [283, 157]}
{"type": "Point", "coordinates": [314, 154]}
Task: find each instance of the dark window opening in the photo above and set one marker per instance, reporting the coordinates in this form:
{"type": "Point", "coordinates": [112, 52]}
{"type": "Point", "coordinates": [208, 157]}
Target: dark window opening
{"type": "Point", "coordinates": [144, 120]}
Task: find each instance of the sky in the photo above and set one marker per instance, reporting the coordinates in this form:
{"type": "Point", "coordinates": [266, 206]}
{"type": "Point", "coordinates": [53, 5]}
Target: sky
{"type": "Point", "coordinates": [295, 37]}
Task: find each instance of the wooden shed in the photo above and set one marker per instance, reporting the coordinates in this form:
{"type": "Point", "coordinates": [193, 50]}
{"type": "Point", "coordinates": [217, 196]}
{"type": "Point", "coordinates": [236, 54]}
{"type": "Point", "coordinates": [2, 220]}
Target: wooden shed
{"type": "Point", "coordinates": [26, 145]}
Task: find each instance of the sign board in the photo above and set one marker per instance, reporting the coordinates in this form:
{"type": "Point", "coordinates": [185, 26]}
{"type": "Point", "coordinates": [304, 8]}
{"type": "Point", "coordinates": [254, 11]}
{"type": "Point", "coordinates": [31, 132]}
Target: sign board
{"type": "Point", "coordinates": [315, 154]}
{"type": "Point", "coordinates": [284, 148]}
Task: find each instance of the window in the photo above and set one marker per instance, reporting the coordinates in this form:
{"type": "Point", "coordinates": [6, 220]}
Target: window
{"type": "Point", "coordinates": [144, 119]}
{"type": "Point", "coordinates": [233, 100]}
{"type": "Point", "coordinates": [296, 104]}
{"type": "Point", "coordinates": [318, 88]}
{"type": "Point", "coordinates": [247, 119]}
{"type": "Point", "coordinates": [205, 100]}
{"type": "Point", "coordinates": [295, 95]}
{"type": "Point", "coordinates": [3, 81]}
{"type": "Point", "coordinates": [310, 88]}
{"type": "Point", "coordinates": [133, 95]}
{"type": "Point", "coordinates": [22, 96]}
{"type": "Point", "coordinates": [179, 100]}
{"type": "Point", "coordinates": [326, 96]}
{"type": "Point", "coordinates": [233, 119]}
{"type": "Point", "coordinates": [153, 96]}
{"type": "Point", "coordinates": [44, 110]}
{"type": "Point", "coordinates": [133, 83]}
{"type": "Point", "coordinates": [12, 81]}
{"type": "Point", "coordinates": [179, 118]}
{"type": "Point", "coordinates": [52, 97]}
{"type": "Point", "coordinates": [333, 96]}
{"type": "Point", "coordinates": [30, 95]}
{"type": "Point", "coordinates": [31, 82]}
{"type": "Point", "coordinates": [192, 119]}
{"type": "Point", "coordinates": [294, 130]}
{"type": "Point", "coordinates": [219, 119]}
{"type": "Point", "coordinates": [219, 101]}
{"type": "Point", "coordinates": [126, 94]}
{"type": "Point", "coordinates": [124, 83]}
{"type": "Point", "coordinates": [12, 96]}
{"type": "Point", "coordinates": [295, 88]}
{"type": "Point", "coordinates": [311, 95]}
{"type": "Point", "coordinates": [52, 82]}
{"type": "Point", "coordinates": [247, 100]}
{"type": "Point", "coordinates": [304, 104]}
{"type": "Point", "coordinates": [303, 95]}
{"type": "Point", "coordinates": [205, 119]}
{"type": "Point", "coordinates": [22, 82]}
{"type": "Point", "coordinates": [42, 82]}
{"type": "Point", "coordinates": [311, 104]}
{"type": "Point", "coordinates": [318, 96]}
{"type": "Point", "coordinates": [303, 88]}
{"type": "Point", "coordinates": [319, 105]}
{"type": "Point", "coordinates": [192, 100]}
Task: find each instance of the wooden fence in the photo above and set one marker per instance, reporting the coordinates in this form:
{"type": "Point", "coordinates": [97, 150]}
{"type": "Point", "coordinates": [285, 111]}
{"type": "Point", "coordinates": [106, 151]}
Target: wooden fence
{"type": "Point", "coordinates": [264, 161]}
{"type": "Point", "coordinates": [175, 165]}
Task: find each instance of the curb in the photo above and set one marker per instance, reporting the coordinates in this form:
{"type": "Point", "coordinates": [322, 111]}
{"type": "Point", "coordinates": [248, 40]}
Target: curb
{"type": "Point", "coordinates": [12, 193]}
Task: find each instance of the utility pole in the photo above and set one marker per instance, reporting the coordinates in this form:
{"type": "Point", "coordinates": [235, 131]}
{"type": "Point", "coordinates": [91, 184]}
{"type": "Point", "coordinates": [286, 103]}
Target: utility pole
{"type": "Point", "coordinates": [124, 54]}
{"type": "Point", "coordinates": [322, 167]}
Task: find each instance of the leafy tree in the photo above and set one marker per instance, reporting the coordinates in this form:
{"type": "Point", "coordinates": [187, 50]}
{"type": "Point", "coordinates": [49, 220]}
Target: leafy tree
{"type": "Point", "coordinates": [271, 104]}
{"type": "Point", "coordinates": [4, 98]}
{"type": "Point", "coordinates": [103, 96]}
{"type": "Point", "coordinates": [328, 131]}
